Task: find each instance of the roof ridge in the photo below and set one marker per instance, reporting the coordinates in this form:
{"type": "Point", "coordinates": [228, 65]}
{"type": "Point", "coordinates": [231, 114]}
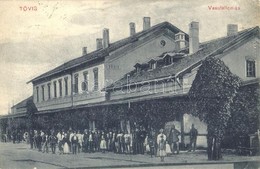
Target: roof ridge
{"type": "Point", "coordinates": [238, 33]}
{"type": "Point", "coordinates": [22, 101]}
{"type": "Point", "coordinates": [102, 52]}
{"type": "Point", "coordinates": [223, 47]}
{"type": "Point", "coordinates": [191, 61]}
{"type": "Point", "coordinates": [136, 35]}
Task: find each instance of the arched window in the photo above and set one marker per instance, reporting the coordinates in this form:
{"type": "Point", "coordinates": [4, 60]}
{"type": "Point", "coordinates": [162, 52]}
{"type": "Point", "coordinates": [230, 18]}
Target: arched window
{"type": "Point", "coordinates": [76, 83]}
{"type": "Point", "coordinates": [85, 82]}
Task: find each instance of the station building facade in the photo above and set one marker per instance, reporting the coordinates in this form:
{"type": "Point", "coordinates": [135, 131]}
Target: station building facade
{"type": "Point", "coordinates": [143, 79]}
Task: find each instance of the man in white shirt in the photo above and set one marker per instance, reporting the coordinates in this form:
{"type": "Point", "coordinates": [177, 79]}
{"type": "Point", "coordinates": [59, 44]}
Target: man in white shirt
{"type": "Point", "coordinates": [60, 138]}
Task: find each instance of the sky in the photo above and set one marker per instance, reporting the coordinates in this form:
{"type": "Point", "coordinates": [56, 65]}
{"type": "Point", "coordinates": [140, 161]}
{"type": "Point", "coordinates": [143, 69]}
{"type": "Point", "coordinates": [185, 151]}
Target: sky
{"type": "Point", "coordinates": [37, 36]}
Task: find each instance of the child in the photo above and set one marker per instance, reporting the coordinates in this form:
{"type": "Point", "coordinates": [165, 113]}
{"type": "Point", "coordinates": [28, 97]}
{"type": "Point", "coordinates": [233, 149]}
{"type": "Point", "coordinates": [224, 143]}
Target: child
{"type": "Point", "coordinates": [151, 143]}
{"type": "Point", "coordinates": [168, 149]}
{"type": "Point", "coordinates": [162, 147]}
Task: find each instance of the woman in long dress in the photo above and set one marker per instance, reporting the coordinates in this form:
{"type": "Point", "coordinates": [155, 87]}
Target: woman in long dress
{"type": "Point", "coordinates": [162, 148]}
{"type": "Point", "coordinates": [66, 148]}
{"type": "Point", "coordinates": [161, 142]}
{"type": "Point", "coordinates": [103, 144]}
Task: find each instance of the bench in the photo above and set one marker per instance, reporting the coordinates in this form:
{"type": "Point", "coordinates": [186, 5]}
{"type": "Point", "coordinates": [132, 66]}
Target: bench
{"type": "Point", "coordinates": [250, 151]}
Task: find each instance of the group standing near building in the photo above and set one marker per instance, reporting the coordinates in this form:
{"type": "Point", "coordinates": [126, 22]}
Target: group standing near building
{"type": "Point", "coordinates": [136, 141]}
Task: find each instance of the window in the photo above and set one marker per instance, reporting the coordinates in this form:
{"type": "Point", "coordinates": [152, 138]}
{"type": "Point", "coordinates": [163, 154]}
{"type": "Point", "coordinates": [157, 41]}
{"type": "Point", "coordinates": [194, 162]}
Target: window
{"type": "Point", "coordinates": [42, 92]}
{"type": "Point", "coordinates": [152, 65]}
{"type": "Point", "coordinates": [60, 87]}
{"type": "Point", "coordinates": [138, 67]}
{"type": "Point", "coordinates": [66, 85]}
{"type": "Point", "coordinates": [250, 68]}
{"type": "Point", "coordinates": [85, 82]}
{"type": "Point", "coordinates": [95, 71]}
{"type": "Point", "coordinates": [55, 89]}
{"type": "Point", "coordinates": [37, 94]}
{"type": "Point", "coordinates": [76, 83]}
{"type": "Point", "coordinates": [49, 91]}
{"type": "Point", "coordinates": [162, 43]}
{"type": "Point", "coordinates": [167, 60]}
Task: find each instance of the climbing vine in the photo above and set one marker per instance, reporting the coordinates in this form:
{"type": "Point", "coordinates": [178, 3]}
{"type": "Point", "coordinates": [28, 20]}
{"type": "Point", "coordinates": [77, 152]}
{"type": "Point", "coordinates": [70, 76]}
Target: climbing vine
{"type": "Point", "coordinates": [212, 94]}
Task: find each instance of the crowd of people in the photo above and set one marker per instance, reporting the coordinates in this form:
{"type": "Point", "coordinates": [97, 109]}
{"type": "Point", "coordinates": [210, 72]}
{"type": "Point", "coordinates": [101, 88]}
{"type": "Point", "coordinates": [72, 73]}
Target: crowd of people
{"type": "Point", "coordinates": [136, 141]}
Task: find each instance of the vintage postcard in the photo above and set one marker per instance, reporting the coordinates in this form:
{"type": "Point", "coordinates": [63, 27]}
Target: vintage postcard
{"type": "Point", "coordinates": [129, 84]}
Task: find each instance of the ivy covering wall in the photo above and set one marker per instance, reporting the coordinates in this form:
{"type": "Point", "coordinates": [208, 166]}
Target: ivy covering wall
{"type": "Point", "coordinates": [212, 94]}
{"type": "Point", "coordinates": [245, 113]}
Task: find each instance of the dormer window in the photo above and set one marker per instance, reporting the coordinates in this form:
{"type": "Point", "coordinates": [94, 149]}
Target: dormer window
{"type": "Point", "coordinates": [152, 64]}
{"type": "Point", "coordinates": [167, 60]}
{"type": "Point", "coordinates": [180, 36]}
{"type": "Point", "coordinates": [138, 67]}
{"type": "Point", "coordinates": [180, 40]}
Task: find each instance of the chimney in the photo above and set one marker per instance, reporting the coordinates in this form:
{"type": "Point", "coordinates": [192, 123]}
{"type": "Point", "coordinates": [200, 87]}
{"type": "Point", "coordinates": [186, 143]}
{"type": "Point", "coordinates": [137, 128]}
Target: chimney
{"type": "Point", "coordinates": [99, 43]}
{"type": "Point", "coordinates": [232, 29]}
{"type": "Point", "coordinates": [180, 41]}
{"type": "Point", "coordinates": [146, 23]}
{"type": "Point", "coordinates": [105, 38]}
{"type": "Point", "coordinates": [193, 37]}
{"type": "Point", "coordinates": [132, 28]}
{"type": "Point", "coordinates": [84, 50]}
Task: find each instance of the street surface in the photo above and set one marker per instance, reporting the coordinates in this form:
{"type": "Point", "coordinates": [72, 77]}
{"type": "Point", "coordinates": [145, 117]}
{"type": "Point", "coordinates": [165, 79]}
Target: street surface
{"type": "Point", "coordinates": [19, 156]}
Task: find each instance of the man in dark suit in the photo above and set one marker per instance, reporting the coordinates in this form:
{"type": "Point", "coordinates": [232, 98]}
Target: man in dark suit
{"type": "Point", "coordinates": [193, 138]}
{"type": "Point", "coordinates": [31, 136]}
{"type": "Point", "coordinates": [53, 141]}
{"type": "Point", "coordinates": [173, 139]}
{"type": "Point", "coordinates": [86, 141]}
{"type": "Point", "coordinates": [143, 134]}
{"type": "Point", "coordinates": [74, 143]}
{"type": "Point", "coordinates": [45, 141]}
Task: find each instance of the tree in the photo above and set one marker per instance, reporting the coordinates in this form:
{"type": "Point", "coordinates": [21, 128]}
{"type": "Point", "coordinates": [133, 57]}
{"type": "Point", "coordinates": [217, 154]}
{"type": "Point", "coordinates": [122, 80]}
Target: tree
{"type": "Point", "coordinates": [245, 112]}
{"type": "Point", "coordinates": [3, 125]}
{"type": "Point", "coordinates": [31, 110]}
{"type": "Point", "coordinates": [212, 93]}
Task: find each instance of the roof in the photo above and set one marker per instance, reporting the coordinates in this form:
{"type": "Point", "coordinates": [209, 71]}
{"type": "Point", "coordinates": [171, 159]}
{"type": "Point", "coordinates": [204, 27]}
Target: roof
{"type": "Point", "coordinates": [23, 103]}
{"type": "Point", "coordinates": [101, 53]}
{"type": "Point", "coordinates": [113, 102]}
{"type": "Point", "coordinates": [250, 82]}
{"type": "Point", "coordinates": [13, 115]}
{"type": "Point", "coordinates": [206, 49]}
